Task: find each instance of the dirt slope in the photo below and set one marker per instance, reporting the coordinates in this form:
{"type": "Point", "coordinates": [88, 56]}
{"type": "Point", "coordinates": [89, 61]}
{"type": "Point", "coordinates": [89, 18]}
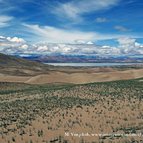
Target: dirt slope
{"type": "Point", "coordinates": [79, 78]}
{"type": "Point", "coordinates": [12, 65]}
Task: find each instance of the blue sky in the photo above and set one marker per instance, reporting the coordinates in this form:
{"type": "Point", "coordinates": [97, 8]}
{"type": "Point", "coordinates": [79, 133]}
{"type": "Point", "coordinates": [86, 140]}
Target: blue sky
{"type": "Point", "coordinates": [100, 23]}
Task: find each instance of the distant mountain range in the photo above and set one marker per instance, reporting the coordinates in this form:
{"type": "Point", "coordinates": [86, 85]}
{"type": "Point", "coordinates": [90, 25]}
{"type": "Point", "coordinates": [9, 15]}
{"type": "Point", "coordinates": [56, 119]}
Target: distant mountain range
{"type": "Point", "coordinates": [59, 58]}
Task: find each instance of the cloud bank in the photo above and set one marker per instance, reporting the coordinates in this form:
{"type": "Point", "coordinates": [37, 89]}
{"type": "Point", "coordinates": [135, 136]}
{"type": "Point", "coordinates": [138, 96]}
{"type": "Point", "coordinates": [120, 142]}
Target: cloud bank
{"type": "Point", "coordinates": [16, 45]}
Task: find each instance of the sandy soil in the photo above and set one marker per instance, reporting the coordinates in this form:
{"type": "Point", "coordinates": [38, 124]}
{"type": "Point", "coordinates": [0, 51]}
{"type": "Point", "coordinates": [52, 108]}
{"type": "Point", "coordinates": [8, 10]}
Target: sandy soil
{"type": "Point", "coordinates": [79, 78]}
{"type": "Point", "coordinates": [9, 78]}
{"type": "Point", "coordinates": [75, 77]}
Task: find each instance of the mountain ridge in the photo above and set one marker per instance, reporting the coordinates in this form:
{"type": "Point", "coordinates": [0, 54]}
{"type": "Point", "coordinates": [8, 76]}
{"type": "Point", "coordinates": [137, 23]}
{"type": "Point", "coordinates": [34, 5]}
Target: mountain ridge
{"type": "Point", "coordinates": [58, 58]}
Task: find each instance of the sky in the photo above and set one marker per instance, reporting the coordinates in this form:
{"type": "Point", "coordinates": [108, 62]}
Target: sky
{"type": "Point", "coordinates": [103, 27]}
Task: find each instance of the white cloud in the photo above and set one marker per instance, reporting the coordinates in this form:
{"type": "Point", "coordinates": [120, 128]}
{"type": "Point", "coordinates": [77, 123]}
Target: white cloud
{"type": "Point", "coordinates": [89, 43]}
{"type": "Point", "coordinates": [15, 39]}
{"type": "Point", "coordinates": [108, 50]}
{"type": "Point", "coordinates": [4, 20]}
{"type": "Point", "coordinates": [130, 46]}
{"type": "Point", "coordinates": [12, 45]}
{"type": "Point", "coordinates": [42, 48]}
{"type": "Point", "coordinates": [75, 9]}
{"type": "Point", "coordinates": [126, 41]}
{"type": "Point", "coordinates": [101, 20]}
{"type": "Point", "coordinates": [83, 42]}
{"type": "Point", "coordinates": [79, 41]}
{"type": "Point", "coordinates": [121, 28]}
{"type": "Point", "coordinates": [56, 35]}
{"type": "Point", "coordinates": [2, 37]}
{"type": "Point", "coordinates": [24, 47]}
{"type": "Point", "coordinates": [67, 10]}
{"type": "Point", "coordinates": [137, 44]}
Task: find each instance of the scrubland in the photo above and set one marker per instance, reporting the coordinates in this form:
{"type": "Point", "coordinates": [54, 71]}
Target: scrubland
{"type": "Point", "coordinates": [69, 113]}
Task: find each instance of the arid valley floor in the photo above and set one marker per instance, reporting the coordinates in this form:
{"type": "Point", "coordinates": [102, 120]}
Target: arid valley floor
{"type": "Point", "coordinates": [41, 104]}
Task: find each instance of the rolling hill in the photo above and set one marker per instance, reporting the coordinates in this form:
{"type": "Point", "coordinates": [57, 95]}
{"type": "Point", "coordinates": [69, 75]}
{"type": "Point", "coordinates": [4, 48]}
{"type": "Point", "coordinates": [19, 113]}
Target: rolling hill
{"type": "Point", "coordinates": [12, 65]}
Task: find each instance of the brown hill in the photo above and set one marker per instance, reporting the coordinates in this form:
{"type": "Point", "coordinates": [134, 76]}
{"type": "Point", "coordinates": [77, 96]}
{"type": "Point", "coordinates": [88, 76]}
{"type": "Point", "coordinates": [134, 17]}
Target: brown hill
{"type": "Point", "coordinates": [18, 66]}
